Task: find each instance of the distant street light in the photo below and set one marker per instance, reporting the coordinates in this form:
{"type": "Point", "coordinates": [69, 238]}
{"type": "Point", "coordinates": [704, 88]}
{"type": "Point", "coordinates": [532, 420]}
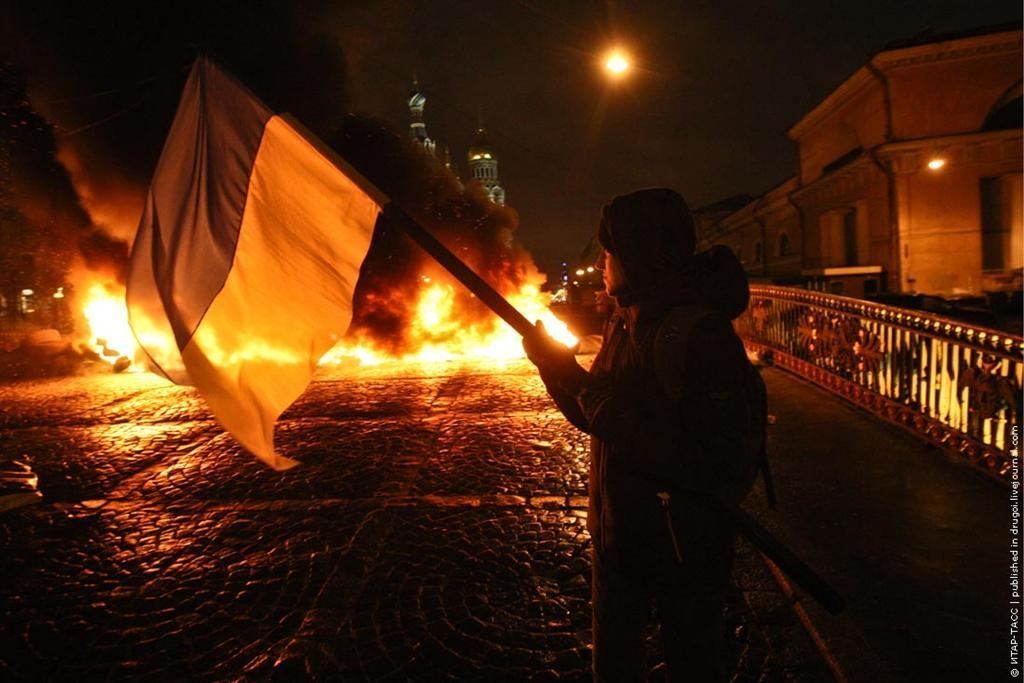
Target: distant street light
{"type": "Point", "coordinates": [616, 64]}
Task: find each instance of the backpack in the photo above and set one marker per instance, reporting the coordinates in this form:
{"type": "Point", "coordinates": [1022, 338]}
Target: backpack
{"type": "Point", "coordinates": [669, 346]}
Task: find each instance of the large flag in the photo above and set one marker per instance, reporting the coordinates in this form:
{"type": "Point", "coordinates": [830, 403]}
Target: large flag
{"type": "Point", "coordinates": [243, 269]}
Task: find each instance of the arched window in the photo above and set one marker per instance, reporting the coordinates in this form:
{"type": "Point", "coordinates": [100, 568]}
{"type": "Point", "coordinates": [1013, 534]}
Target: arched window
{"type": "Point", "coordinates": [784, 247]}
{"type": "Point", "coordinates": [758, 252]}
{"type": "Point", "coordinates": [1006, 112]}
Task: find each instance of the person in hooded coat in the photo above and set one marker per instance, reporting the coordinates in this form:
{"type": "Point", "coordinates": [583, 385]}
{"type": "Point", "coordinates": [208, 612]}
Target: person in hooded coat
{"type": "Point", "coordinates": [664, 402]}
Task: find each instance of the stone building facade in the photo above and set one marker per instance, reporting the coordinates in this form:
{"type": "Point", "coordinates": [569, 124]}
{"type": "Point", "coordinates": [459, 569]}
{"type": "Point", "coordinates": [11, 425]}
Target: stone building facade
{"type": "Point", "coordinates": [908, 179]}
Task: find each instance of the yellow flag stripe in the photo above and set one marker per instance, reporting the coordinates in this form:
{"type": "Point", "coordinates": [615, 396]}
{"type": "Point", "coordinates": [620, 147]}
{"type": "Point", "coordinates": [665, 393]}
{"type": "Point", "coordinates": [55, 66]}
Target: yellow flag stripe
{"type": "Point", "coordinates": [287, 300]}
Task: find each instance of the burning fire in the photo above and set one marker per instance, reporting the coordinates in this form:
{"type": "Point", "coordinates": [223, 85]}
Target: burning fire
{"type": "Point", "coordinates": [110, 335]}
{"type": "Point", "coordinates": [439, 333]}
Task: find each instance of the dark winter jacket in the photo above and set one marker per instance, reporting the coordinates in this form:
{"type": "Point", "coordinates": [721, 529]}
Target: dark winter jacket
{"type": "Point", "coordinates": [651, 433]}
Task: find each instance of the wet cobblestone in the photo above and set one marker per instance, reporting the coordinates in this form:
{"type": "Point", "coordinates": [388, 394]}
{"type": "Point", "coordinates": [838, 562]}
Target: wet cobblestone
{"type": "Point", "coordinates": [530, 455]}
{"type": "Point", "coordinates": [436, 529]}
{"type": "Point", "coordinates": [340, 459]}
{"type": "Point", "coordinates": [71, 400]}
{"type": "Point", "coordinates": [80, 463]}
{"type": "Point", "coordinates": [135, 590]}
{"type": "Point", "coordinates": [364, 399]}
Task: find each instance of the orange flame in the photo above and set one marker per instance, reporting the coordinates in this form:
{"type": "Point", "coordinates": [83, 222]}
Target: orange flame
{"type": "Point", "coordinates": [439, 333]}
{"type": "Point", "coordinates": [110, 335]}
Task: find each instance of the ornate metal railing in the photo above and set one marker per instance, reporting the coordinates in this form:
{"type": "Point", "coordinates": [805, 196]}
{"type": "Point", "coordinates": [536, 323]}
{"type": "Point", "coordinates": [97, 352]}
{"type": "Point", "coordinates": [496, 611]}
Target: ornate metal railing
{"type": "Point", "coordinates": [956, 384]}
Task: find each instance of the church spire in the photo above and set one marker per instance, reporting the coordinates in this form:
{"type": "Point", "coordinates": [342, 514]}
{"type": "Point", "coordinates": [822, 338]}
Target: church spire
{"type": "Point", "coordinates": [417, 126]}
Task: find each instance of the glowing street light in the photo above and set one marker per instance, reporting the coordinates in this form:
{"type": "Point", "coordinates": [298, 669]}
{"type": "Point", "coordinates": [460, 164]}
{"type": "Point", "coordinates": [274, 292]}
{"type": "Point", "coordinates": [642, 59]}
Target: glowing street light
{"type": "Point", "coordinates": [616, 64]}
{"type": "Point", "coordinates": [936, 163]}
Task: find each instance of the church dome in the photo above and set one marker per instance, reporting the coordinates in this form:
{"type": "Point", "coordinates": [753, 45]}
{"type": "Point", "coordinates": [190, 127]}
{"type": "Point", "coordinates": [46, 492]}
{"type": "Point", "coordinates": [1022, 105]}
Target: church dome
{"type": "Point", "coordinates": [481, 147]}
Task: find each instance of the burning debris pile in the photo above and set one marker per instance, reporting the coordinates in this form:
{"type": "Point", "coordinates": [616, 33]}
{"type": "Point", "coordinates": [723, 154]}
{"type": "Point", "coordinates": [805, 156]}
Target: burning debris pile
{"type": "Point", "coordinates": [406, 305]}
{"type": "Point", "coordinates": [105, 345]}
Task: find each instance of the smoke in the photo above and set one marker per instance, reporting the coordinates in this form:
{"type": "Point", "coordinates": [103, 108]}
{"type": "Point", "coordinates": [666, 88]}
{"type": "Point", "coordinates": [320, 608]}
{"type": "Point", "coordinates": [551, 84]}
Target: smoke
{"type": "Point", "coordinates": [111, 199]}
{"type": "Point", "coordinates": [478, 231]}
{"type": "Point", "coordinates": [45, 232]}
{"type": "Point", "coordinates": [89, 91]}
{"type": "Point", "coordinates": [107, 77]}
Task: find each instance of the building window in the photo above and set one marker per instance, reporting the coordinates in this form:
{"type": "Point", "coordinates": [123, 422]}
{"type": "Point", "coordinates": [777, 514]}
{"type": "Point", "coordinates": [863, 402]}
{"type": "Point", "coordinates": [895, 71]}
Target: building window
{"type": "Point", "coordinates": [1006, 112]}
{"type": "Point", "coordinates": [1001, 223]}
{"type": "Point", "coordinates": [1007, 116]}
{"type": "Point", "coordinates": [758, 252]}
{"type": "Point", "coordinates": [839, 237]}
{"type": "Point", "coordinates": [784, 248]}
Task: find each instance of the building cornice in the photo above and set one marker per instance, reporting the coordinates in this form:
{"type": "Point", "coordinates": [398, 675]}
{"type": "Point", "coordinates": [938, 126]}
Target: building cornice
{"type": "Point", "coordinates": [906, 156]}
{"type": "Point", "coordinates": [964, 139]}
{"type": "Point", "coordinates": [860, 80]}
{"type": "Point", "coordinates": [1005, 42]}
{"type": "Point", "coordinates": [910, 156]}
{"type": "Point", "coordinates": [840, 182]}
{"type": "Point", "coordinates": [757, 209]}
{"type": "Point", "coordinates": [778, 195]}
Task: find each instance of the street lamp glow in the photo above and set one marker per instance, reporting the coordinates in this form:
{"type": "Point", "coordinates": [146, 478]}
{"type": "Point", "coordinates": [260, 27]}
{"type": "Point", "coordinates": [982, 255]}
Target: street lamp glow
{"type": "Point", "coordinates": [617, 63]}
{"type": "Point", "coordinates": [936, 163]}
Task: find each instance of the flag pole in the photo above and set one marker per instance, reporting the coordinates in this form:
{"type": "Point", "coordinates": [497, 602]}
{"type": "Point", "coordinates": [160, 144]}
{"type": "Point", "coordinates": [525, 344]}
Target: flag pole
{"type": "Point", "coordinates": [463, 273]}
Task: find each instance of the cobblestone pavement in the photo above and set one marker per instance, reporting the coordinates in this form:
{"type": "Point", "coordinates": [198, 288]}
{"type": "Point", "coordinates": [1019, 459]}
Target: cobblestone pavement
{"type": "Point", "coordinates": [436, 529]}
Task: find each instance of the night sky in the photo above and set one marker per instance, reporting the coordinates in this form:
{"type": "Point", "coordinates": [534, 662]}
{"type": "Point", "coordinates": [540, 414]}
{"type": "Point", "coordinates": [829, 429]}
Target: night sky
{"type": "Point", "coordinates": [718, 85]}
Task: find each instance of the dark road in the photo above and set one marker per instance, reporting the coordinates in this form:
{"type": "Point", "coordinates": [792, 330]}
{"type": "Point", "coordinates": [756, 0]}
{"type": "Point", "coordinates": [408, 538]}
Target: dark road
{"type": "Point", "coordinates": [914, 539]}
{"type": "Point", "coordinates": [437, 529]}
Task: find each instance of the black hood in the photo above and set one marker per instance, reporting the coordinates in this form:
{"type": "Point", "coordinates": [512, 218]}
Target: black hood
{"type": "Point", "coordinates": [720, 282]}
{"type": "Point", "coordinates": [652, 235]}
